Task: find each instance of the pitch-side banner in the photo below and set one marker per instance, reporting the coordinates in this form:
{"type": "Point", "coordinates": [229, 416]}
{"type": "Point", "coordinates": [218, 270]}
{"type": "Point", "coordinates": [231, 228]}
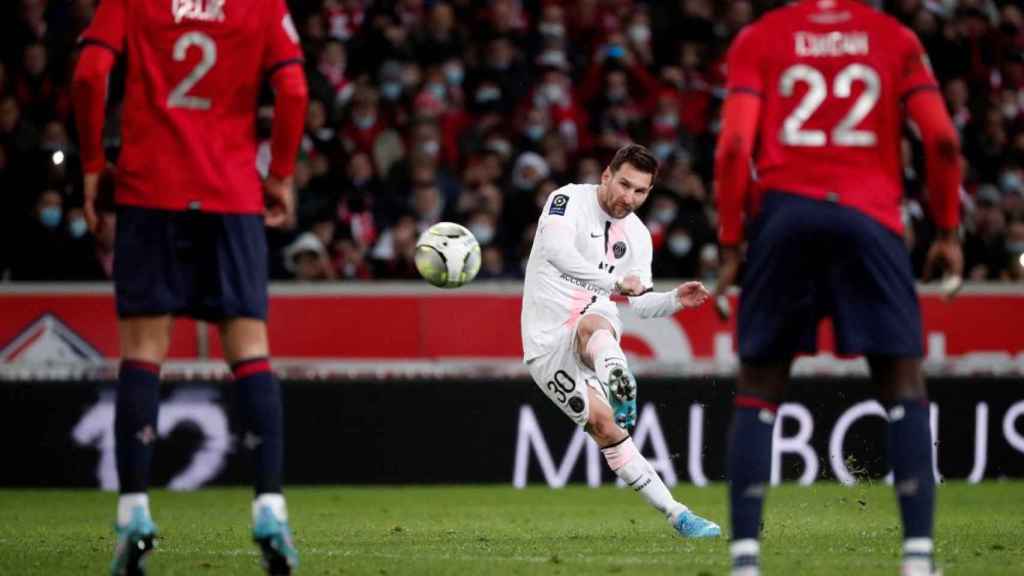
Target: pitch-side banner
{"type": "Point", "coordinates": [380, 329]}
{"type": "Point", "coordinates": [503, 431]}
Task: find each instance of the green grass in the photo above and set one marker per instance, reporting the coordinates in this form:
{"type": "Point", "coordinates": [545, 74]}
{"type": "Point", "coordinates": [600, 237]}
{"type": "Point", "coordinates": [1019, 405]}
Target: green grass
{"type": "Point", "coordinates": [825, 529]}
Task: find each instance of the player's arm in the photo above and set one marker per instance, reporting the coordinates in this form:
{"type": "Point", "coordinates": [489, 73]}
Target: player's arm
{"type": "Point", "coordinates": [733, 154]}
{"type": "Point", "coordinates": [925, 107]}
{"type": "Point", "coordinates": [101, 43]}
{"type": "Point", "coordinates": [283, 62]}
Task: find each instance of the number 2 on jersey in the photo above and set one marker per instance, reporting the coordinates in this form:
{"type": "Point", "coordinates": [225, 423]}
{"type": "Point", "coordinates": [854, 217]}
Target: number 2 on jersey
{"type": "Point", "coordinates": [179, 97]}
{"type": "Point", "coordinates": [845, 133]}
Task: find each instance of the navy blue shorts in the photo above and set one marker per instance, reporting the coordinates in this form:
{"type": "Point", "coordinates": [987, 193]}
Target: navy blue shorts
{"type": "Point", "coordinates": [204, 265]}
{"type": "Point", "coordinates": [809, 259]}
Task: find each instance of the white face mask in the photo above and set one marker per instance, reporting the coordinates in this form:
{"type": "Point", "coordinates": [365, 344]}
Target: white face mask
{"type": "Point", "coordinates": [680, 245]}
{"type": "Point", "coordinates": [639, 33]}
{"type": "Point", "coordinates": [484, 233]}
{"type": "Point", "coordinates": [553, 93]}
{"type": "Point", "coordinates": [430, 148]}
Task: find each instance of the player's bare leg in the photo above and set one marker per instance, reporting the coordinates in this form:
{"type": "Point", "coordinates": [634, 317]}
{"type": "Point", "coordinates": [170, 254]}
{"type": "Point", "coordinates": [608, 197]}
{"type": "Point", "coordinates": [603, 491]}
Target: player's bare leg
{"type": "Point", "coordinates": [619, 451]}
{"type": "Point", "coordinates": [905, 397]}
{"type": "Point", "coordinates": [144, 344]}
{"type": "Point", "coordinates": [759, 389]}
{"type": "Point", "coordinates": [259, 408]}
{"type": "Point", "coordinates": [597, 347]}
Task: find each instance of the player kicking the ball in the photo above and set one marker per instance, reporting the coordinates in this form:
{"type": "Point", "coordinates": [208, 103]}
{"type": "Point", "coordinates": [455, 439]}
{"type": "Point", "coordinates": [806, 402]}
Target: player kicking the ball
{"type": "Point", "coordinates": [589, 245]}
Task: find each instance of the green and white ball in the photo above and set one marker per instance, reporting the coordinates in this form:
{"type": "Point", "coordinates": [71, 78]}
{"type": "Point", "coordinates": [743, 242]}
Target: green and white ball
{"type": "Point", "coordinates": [447, 255]}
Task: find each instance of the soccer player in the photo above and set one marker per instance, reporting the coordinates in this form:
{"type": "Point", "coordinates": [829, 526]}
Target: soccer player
{"type": "Point", "coordinates": [190, 221]}
{"type": "Point", "coordinates": [823, 88]}
{"type": "Point", "coordinates": [588, 246]}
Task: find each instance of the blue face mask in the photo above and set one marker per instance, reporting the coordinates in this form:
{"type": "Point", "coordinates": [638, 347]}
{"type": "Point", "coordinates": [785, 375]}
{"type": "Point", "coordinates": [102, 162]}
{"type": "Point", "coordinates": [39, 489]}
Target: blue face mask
{"type": "Point", "coordinates": [535, 132]}
{"type": "Point", "coordinates": [77, 228]}
{"type": "Point", "coordinates": [391, 90]}
{"type": "Point", "coordinates": [50, 216]}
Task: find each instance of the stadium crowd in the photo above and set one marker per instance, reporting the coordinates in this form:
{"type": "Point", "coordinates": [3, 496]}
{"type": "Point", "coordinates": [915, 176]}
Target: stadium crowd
{"type": "Point", "coordinates": [474, 111]}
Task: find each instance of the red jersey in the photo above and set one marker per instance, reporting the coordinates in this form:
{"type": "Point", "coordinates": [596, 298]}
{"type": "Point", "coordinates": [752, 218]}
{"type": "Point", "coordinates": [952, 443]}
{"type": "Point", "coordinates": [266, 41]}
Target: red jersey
{"type": "Point", "coordinates": [832, 76]}
{"type": "Point", "coordinates": [193, 75]}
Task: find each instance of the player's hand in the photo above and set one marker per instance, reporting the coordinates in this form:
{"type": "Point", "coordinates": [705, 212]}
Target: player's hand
{"type": "Point", "coordinates": [280, 201]}
{"type": "Point", "coordinates": [945, 254]}
{"type": "Point", "coordinates": [728, 270]}
{"type": "Point", "coordinates": [692, 294]}
{"type": "Point", "coordinates": [630, 286]}
{"type": "Point", "coordinates": [90, 188]}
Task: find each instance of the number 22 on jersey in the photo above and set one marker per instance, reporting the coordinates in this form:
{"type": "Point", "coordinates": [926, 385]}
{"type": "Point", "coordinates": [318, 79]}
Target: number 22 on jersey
{"type": "Point", "coordinates": [846, 132]}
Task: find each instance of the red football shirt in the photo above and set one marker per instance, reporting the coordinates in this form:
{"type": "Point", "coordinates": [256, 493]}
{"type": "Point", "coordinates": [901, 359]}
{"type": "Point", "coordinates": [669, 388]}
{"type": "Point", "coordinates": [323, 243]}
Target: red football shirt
{"type": "Point", "coordinates": [832, 76]}
{"type": "Point", "coordinates": [193, 76]}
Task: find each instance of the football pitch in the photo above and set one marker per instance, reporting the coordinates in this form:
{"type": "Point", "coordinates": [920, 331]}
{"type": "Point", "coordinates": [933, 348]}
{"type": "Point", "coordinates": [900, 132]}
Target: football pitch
{"type": "Point", "coordinates": [497, 530]}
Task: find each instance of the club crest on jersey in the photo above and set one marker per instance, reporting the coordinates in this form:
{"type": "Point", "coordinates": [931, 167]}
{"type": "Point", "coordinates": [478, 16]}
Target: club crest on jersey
{"type": "Point", "coordinates": [558, 204]}
{"type": "Point", "coordinates": [202, 10]}
{"type": "Point", "coordinates": [619, 249]}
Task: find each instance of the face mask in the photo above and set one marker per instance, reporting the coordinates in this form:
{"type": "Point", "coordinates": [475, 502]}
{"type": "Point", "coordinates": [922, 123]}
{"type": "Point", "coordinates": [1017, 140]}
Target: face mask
{"type": "Point", "coordinates": [639, 34]}
{"type": "Point", "coordinates": [502, 147]}
{"type": "Point", "coordinates": [552, 93]}
{"type": "Point", "coordinates": [436, 90]}
{"type": "Point", "coordinates": [454, 75]}
{"type": "Point", "coordinates": [430, 148]}
{"type": "Point", "coordinates": [391, 90]}
{"type": "Point", "coordinates": [552, 29]}
{"type": "Point", "coordinates": [483, 233]}
{"type": "Point", "coordinates": [50, 216]}
{"type": "Point", "coordinates": [77, 228]}
{"type": "Point", "coordinates": [1010, 182]}
{"type": "Point", "coordinates": [662, 150]}
{"type": "Point", "coordinates": [364, 122]}
{"type": "Point", "coordinates": [617, 95]}
{"type": "Point", "coordinates": [488, 94]}
{"type": "Point", "coordinates": [535, 132]}
{"type": "Point", "coordinates": [680, 245]}
{"type": "Point", "coordinates": [664, 215]}
{"type": "Point", "coordinates": [666, 121]}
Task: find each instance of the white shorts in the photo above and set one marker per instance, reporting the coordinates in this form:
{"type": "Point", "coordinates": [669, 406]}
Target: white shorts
{"type": "Point", "coordinates": [563, 377]}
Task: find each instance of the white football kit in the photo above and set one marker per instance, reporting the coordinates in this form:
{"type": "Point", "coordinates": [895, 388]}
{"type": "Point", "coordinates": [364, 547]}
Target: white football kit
{"type": "Point", "coordinates": [579, 252]}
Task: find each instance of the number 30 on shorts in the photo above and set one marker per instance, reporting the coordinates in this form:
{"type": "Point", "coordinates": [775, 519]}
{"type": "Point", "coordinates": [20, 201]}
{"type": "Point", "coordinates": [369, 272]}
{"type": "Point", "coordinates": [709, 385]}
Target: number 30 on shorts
{"type": "Point", "coordinates": [562, 385]}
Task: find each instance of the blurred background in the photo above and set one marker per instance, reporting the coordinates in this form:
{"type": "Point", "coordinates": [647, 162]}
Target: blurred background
{"type": "Point", "coordinates": [474, 111]}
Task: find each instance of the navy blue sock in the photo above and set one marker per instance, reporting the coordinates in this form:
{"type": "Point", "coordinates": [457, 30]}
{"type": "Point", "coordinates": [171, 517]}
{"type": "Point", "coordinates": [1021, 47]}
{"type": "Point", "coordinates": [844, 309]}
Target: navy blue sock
{"type": "Point", "coordinates": [910, 453]}
{"type": "Point", "coordinates": [750, 463]}
{"type": "Point", "coordinates": [135, 413]}
{"type": "Point", "coordinates": [260, 413]}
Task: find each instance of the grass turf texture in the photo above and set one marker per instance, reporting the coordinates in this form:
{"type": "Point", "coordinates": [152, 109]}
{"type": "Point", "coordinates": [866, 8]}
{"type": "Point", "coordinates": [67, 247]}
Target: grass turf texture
{"type": "Point", "coordinates": [824, 529]}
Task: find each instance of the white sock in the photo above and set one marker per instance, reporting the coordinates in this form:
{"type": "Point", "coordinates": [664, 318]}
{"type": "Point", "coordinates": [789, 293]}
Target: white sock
{"type": "Point", "coordinates": [605, 352]}
{"type": "Point", "coordinates": [747, 552]}
{"type": "Point", "coordinates": [274, 501]}
{"type": "Point", "coordinates": [627, 463]}
{"type": "Point", "coordinates": [917, 557]}
{"type": "Point", "coordinates": [126, 503]}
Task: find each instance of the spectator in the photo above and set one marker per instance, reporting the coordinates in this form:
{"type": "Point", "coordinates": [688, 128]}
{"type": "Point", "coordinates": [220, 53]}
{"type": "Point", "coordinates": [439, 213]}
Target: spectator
{"type": "Point", "coordinates": [307, 259]}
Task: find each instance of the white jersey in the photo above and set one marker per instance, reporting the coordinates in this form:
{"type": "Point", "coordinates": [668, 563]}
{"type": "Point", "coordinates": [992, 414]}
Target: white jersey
{"type": "Point", "coordinates": [579, 252]}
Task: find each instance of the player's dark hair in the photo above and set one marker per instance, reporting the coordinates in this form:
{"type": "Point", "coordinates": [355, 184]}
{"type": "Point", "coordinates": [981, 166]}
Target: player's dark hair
{"type": "Point", "coordinates": [638, 157]}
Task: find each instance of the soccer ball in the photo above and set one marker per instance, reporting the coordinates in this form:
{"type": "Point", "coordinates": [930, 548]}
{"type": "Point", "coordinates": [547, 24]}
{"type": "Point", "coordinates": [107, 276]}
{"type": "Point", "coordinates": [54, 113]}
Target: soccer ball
{"type": "Point", "coordinates": [447, 255]}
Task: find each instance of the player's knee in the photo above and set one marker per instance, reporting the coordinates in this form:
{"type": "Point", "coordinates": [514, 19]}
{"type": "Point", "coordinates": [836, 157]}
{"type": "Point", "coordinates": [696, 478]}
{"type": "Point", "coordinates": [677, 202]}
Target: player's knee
{"type": "Point", "coordinates": [145, 338]}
